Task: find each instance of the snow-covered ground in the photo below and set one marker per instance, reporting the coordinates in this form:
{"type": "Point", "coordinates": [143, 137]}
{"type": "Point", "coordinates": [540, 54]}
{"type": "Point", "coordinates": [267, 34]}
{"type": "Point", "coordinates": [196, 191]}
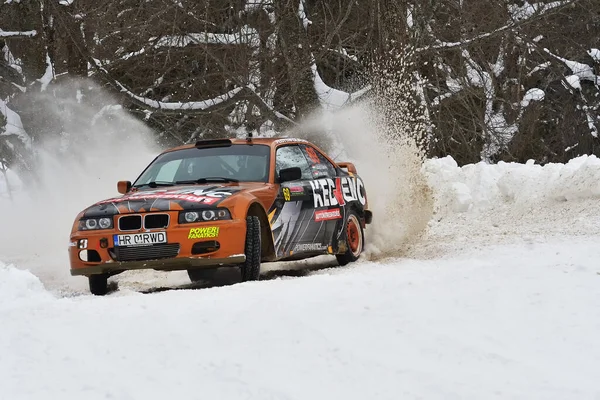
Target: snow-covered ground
{"type": "Point", "coordinates": [499, 298]}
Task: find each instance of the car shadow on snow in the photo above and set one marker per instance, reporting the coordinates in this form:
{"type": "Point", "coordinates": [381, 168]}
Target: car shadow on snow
{"type": "Point", "coordinates": [272, 271]}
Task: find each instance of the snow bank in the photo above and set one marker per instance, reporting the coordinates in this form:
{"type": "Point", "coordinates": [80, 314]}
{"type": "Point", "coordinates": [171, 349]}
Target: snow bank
{"type": "Point", "coordinates": [19, 286]}
{"type": "Point", "coordinates": [481, 186]}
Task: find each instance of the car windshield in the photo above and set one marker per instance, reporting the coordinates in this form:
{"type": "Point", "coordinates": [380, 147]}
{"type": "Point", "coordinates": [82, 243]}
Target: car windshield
{"type": "Point", "coordinates": [239, 162]}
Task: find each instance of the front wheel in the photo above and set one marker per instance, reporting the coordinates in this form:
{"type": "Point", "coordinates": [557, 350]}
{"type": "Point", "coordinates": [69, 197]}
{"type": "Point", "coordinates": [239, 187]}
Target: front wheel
{"type": "Point", "coordinates": [251, 267]}
{"type": "Point", "coordinates": [98, 284]}
{"type": "Point", "coordinates": [355, 240]}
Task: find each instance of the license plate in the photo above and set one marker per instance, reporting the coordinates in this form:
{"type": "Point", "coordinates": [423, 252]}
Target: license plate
{"type": "Point", "coordinates": [140, 239]}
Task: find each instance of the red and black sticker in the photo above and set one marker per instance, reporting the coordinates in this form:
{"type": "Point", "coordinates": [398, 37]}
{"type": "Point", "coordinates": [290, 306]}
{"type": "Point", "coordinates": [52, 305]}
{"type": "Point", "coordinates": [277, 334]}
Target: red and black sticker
{"type": "Point", "coordinates": [327, 215]}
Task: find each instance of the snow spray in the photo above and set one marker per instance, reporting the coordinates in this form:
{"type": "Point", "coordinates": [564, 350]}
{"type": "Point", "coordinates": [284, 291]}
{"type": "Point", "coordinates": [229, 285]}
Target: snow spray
{"type": "Point", "coordinates": [99, 145]}
{"type": "Point", "coordinates": [389, 163]}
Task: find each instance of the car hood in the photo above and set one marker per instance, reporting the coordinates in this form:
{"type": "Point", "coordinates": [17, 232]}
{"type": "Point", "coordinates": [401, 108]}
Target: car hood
{"type": "Point", "coordinates": [168, 198]}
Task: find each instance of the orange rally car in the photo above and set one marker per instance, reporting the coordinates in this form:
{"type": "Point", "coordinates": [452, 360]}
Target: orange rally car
{"type": "Point", "coordinates": [224, 202]}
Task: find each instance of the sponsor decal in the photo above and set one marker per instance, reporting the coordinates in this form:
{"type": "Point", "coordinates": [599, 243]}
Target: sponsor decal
{"type": "Point", "coordinates": [292, 191]}
{"type": "Point", "coordinates": [329, 192]}
{"type": "Point", "coordinates": [327, 215]}
{"type": "Point", "coordinates": [320, 170]}
{"type": "Point", "coordinates": [309, 247]}
{"type": "Point", "coordinates": [204, 232]}
{"type": "Point", "coordinates": [72, 244]}
{"type": "Point", "coordinates": [203, 196]}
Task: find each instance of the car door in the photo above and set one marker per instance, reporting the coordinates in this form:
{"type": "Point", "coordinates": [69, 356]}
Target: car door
{"type": "Point", "coordinates": [295, 231]}
{"type": "Point", "coordinates": [328, 198]}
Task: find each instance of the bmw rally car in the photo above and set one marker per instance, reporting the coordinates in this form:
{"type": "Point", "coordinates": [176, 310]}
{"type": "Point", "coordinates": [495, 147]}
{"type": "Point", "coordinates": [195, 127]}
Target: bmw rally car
{"type": "Point", "coordinates": [222, 203]}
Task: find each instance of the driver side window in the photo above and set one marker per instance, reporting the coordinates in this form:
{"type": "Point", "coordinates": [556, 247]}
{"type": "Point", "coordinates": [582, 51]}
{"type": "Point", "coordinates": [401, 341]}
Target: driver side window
{"type": "Point", "coordinates": [292, 156]}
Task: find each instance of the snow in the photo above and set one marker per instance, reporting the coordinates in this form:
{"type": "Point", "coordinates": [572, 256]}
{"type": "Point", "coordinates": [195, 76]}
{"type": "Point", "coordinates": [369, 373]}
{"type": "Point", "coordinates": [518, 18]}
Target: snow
{"type": "Point", "coordinates": [573, 81]}
{"type": "Point", "coordinates": [540, 67]}
{"type": "Point", "coordinates": [247, 35]}
{"type": "Point", "coordinates": [534, 94]}
{"type": "Point", "coordinates": [13, 126]}
{"type": "Point", "coordinates": [48, 74]}
{"type": "Point", "coordinates": [498, 298]}
{"type": "Point", "coordinates": [302, 15]}
{"type": "Point", "coordinates": [31, 33]}
{"type": "Point", "coordinates": [595, 54]}
{"type": "Point", "coordinates": [191, 105]}
{"type": "Point", "coordinates": [331, 98]}
{"type": "Point", "coordinates": [415, 328]}
{"type": "Point", "coordinates": [527, 10]}
{"type": "Point", "coordinates": [494, 184]}
{"type": "Point", "coordinates": [13, 63]}
{"type": "Point", "coordinates": [582, 71]}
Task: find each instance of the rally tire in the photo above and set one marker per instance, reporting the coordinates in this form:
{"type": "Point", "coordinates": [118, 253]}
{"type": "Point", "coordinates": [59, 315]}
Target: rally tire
{"type": "Point", "coordinates": [355, 240]}
{"type": "Point", "coordinates": [98, 284]}
{"type": "Point", "coordinates": [251, 268]}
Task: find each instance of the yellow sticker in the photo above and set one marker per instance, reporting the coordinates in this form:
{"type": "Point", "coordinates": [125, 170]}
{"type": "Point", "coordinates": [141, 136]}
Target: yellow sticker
{"type": "Point", "coordinates": [203, 233]}
{"type": "Point", "coordinates": [286, 194]}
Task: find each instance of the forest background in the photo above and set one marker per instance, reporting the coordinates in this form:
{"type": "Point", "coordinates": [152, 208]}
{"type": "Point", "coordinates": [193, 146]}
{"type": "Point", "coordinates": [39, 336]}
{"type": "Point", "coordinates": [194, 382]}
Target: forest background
{"type": "Point", "coordinates": [492, 80]}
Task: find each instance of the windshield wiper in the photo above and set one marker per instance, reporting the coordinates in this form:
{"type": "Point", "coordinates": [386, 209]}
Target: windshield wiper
{"type": "Point", "coordinates": [207, 179]}
{"type": "Point", "coordinates": [155, 184]}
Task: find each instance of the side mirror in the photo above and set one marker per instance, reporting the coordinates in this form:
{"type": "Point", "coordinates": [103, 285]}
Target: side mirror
{"type": "Point", "coordinates": [123, 186]}
{"type": "Point", "coordinates": [290, 174]}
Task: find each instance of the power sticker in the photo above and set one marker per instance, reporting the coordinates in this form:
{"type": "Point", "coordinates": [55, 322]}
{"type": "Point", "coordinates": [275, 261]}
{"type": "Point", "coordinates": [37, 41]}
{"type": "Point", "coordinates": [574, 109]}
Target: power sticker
{"type": "Point", "coordinates": [203, 233]}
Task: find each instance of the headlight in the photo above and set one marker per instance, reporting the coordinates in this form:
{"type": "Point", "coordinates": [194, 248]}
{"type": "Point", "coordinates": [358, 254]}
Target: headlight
{"type": "Point", "coordinates": [89, 224]}
{"type": "Point", "coordinates": [204, 215]}
{"type": "Point", "coordinates": [104, 223]}
{"type": "Point", "coordinates": [191, 216]}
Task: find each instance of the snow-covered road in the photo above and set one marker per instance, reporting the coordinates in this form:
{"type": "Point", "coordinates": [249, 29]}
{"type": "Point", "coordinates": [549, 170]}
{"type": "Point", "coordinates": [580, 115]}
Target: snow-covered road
{"type": "Point", "coordinates": [510, 321]}
{"type": "Point", "coordinates": [499, 299]}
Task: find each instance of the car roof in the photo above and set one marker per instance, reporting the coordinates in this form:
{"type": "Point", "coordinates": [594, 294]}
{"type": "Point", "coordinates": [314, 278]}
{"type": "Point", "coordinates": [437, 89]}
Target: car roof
{"type": "Point", "coordinates": [262, 141]}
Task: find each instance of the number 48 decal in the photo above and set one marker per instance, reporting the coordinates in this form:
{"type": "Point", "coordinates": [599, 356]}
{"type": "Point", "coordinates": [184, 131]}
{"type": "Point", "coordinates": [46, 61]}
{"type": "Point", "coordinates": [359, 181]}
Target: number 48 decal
{"type": "Point", "coordinates": [286, 194]}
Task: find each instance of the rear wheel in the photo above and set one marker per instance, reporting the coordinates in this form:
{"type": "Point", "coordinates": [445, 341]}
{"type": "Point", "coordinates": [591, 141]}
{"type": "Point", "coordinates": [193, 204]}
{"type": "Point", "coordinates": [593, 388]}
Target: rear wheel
{"type": "Point", "coordinates": [98, 284]}
{"type": "Point", "coordinates": [251, 268]}
{"type": "Point", "coordinates": [355, 240]}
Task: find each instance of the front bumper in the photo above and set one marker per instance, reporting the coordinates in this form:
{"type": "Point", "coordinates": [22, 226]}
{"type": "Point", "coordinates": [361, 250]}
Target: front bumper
{"type": "Point", "coordinates": [172, 264]}
{"type": "Point", "coordinates": [231, 239]}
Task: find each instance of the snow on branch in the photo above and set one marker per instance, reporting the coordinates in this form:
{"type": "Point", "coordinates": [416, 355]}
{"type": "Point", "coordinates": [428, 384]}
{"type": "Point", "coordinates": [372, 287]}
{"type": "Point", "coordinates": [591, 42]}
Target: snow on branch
{"type": "Point", "coordinates": [580, 70]}
{"type": "Point", "coordinates": [48, 74]}
{"type": "Point", "coordinates": [17, 34]}
{"type": "Point", "coordinates": [246, 35]}
{"type": "Point", "coordinates": [182, 106]}
{"type": "Point", "coordinates": [302, 15]}
{"type": "Point", "coordinates": [519, 15]}
{"type": "Point", "coordinates": [14, 126]}
{"type": "Point", "coordinates": [194, 106]}
{"type": "Point", "coordinates": [172, 106]}
{"type": "Point", "coordinates": [528, 10]}
{"type": "Point", "coordinates": [332, 98]}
